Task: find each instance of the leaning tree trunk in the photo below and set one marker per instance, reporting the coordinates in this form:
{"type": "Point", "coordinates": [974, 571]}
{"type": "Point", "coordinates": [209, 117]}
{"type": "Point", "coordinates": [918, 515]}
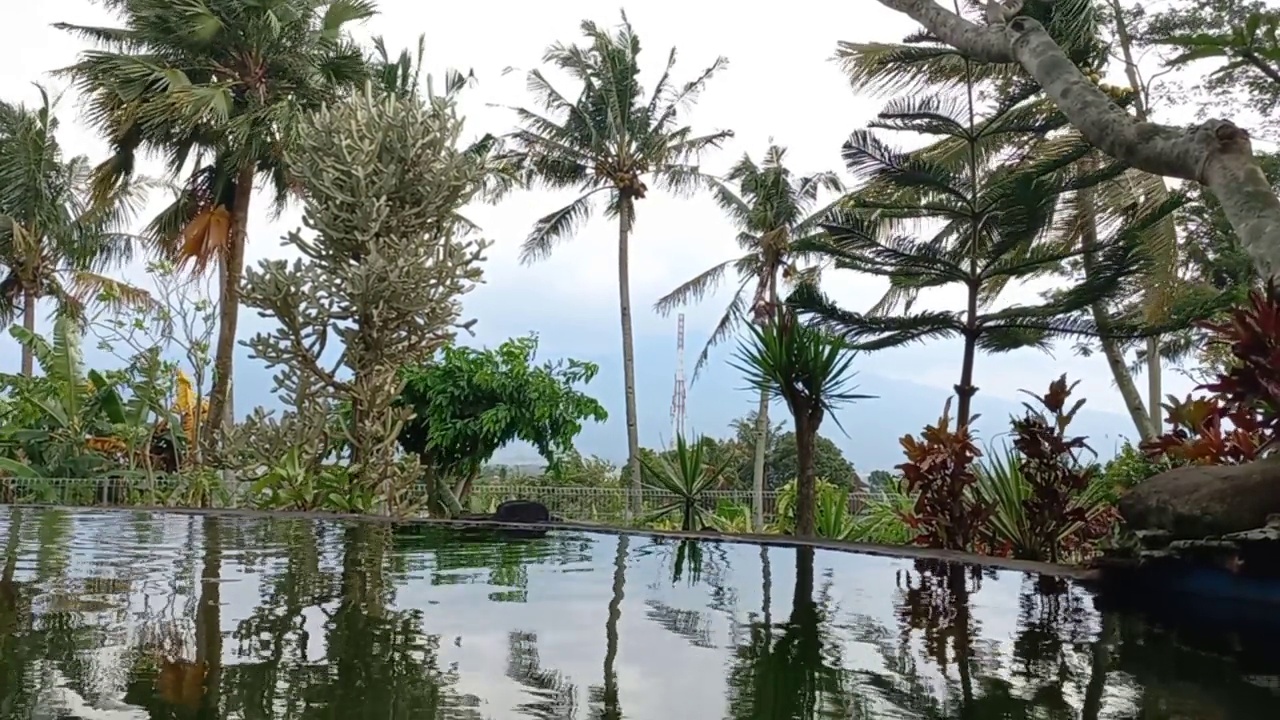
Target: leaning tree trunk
{"type": "Point", "coordinates": [229, 306]}
{"type": "Point", "coordinates": [625, 218]}
{"type": "Point", "coordinates": [1215, 153]}
{"type": "Point", "coordinates": [29, 324]}
{"type": "Point", "coordinates": [1110, 350]}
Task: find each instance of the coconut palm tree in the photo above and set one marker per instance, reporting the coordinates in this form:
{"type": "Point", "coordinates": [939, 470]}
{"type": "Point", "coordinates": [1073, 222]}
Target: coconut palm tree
{"type": "Point", "coordinates": [609, 140]}
{"type": "Point", "coordinates": [218, 89]}
{"type": "Point", "coordinates": [54, 242]}
{"type": "Point", "coordinates": [771, 207]}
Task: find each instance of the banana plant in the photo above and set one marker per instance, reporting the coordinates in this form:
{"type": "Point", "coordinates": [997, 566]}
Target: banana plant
{"type": "Point", "coordinates": [65, 412]}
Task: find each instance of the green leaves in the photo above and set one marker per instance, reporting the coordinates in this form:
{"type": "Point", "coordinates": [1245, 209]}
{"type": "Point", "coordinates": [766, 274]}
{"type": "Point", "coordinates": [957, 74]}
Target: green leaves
{"type": "Point", "coordinates": [687, 474]}
{"type": "Point", "coordinates": [1253, 45]}
{"type": "Point", "coordinates": [605, 135]}
{"type": "Point", "coordinates": [469, 403]}
{"type": "Point", "coordinates": [806, 367]}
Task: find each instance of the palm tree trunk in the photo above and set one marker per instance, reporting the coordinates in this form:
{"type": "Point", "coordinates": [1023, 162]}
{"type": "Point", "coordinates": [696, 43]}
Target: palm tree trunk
{"type": "Point", "coordinates": [805, 500]}
{"type": "Point", "coordinates": [229, 306]}
{"type": "Point", "coordinates": [766, 588]}
{"type": "Point", "coordinates": [625, 218]}
{"type": "Point", "coordinates": [209, 618]}
{"type": "Point", "coordinates": [757, 467]}
{"type": "Point", "coordinates": [965, 389]}
{"type": "Point", "coordinates": [1155, 394]}
{"type": "Point", "coordinates": [1110, 350]}
{"type": "Point", "coordinates": [29, 324]}
{"type": "Point", "coordinates": [612, 709]}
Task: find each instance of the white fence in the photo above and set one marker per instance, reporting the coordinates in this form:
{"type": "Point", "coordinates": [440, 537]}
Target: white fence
{"type": "Point", "coordinates": [585, 504]}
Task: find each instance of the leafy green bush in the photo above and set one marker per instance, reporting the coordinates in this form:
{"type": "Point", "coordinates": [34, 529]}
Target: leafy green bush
{"type": "Point", "coordinates": [1128, 468]}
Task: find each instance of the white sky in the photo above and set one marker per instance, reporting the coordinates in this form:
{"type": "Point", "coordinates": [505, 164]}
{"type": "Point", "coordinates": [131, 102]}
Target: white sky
{"type": "Point", "coordinates": [780, 85]}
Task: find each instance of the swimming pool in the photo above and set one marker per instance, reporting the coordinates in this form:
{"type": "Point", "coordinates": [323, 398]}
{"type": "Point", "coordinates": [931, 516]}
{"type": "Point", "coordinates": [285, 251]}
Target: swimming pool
{"type": "Point", "coordinates": [123, 615]}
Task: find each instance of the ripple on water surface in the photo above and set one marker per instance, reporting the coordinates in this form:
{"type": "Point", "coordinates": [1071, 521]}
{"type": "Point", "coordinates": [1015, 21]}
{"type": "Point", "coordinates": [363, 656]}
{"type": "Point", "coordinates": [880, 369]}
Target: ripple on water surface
{"type": "Point", "coordinates": [128, 615]}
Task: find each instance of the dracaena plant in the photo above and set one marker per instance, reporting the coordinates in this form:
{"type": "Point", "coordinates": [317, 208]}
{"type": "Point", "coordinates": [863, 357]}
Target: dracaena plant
{"type": "Point", "coordinates": [1059, 508]}
{"type": "Point", "coordinates": [1238, 421]}
{"type": "Point", "coordinates": [939, 472]}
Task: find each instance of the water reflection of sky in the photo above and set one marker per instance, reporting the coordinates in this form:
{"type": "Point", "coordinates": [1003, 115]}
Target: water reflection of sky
{"type": "Point", "coordinates": [661, 674]}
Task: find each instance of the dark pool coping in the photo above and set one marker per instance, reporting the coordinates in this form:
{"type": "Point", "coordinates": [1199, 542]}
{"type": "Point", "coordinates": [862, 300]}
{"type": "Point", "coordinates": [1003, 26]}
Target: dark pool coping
{"type": "Point", "coordinates": [906, 552]}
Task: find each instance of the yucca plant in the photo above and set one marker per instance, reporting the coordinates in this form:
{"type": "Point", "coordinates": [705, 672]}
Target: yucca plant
{"type": "Point", "coordinates": [811, 371]}
{"type": "Point", "coordinates": [688, 476]}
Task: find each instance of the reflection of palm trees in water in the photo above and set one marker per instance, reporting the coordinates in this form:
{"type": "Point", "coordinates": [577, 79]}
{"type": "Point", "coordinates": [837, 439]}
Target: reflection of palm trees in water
{"type": "Point", "coordinates": [783, 673]}
{"type": "Point", "coordinates": [554, 697]}
{"type": "Point", "coordinates": [604, 700]}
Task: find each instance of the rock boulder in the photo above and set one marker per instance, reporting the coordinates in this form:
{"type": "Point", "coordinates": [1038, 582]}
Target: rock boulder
{"type": "Point", "coordinates": [1202, 501]}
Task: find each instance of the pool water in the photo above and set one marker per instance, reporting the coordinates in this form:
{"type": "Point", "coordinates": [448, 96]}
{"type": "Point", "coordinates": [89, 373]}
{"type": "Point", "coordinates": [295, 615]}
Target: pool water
{"type": "Point", "coordinates": [124, 615]}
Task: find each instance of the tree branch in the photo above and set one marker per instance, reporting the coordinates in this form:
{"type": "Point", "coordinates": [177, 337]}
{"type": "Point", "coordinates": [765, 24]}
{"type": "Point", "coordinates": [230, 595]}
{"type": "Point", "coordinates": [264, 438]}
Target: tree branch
{"type": "Point", "coordinates": [1216, 153]}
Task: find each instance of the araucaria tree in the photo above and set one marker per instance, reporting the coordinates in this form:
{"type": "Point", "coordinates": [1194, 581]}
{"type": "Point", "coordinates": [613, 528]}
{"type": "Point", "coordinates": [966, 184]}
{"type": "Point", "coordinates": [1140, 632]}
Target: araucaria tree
{"type": "Point", "coordinates": [1216, 153]}
{"type": "Point", "coordinates": [219, 88]}
{"type": "Point", "coordinates": [771, 208]}
{"type": "Point", "coordinates": [386, 261]}
{"type": "Point", "coordinates": [609, 140]}
{"type": "Point", "coordinates": [993, 203]}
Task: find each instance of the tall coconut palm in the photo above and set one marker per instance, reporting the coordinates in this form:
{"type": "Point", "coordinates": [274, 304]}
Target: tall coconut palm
{"type": "Point", "coordinates": [771, 208]}
{"type": "Point", "coordinates": [217, 88]}
{"type": "Point", "coordinates": [610, 140]}
{"type": "Point", "coordinates": [54, 242]}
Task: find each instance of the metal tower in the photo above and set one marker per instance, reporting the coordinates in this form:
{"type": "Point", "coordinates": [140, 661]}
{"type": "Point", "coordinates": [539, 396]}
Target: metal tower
{"type": "Point", "coordinates": [678, 395]}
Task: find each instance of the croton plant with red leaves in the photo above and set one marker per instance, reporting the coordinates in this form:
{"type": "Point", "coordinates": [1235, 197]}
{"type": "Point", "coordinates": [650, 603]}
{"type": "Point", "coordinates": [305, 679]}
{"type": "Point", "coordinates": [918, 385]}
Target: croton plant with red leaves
{"type": "Point", "coordinates": [1241, 417]}
{"type": "Point", "coordinates": [938, 472]}
{"type": "Point", "coordinates": [1057, 519]}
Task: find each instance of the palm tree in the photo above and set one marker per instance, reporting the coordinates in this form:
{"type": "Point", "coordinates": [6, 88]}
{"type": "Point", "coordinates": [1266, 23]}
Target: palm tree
{"type": "Point", "coordinates": [771, 208]}
{"type": "Point", "coordinates": [218, 88]}
{"type": "Point", "coordinates": [54, 242]}
{"type": "Point", "coordinates": [811, 371]}
{"type": "Point", "coordinates": [610, 140]}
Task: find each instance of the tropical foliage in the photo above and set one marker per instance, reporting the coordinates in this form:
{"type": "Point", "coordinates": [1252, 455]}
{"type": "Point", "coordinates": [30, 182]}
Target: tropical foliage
{"type": "Point", "coordinates": [384, 411]}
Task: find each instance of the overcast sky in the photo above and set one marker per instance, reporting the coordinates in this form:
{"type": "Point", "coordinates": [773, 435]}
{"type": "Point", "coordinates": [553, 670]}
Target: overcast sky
{"type": "Point", "coordinates": [780, 84]}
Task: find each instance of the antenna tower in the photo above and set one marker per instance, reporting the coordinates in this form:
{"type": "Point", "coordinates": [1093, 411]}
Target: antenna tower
{"type": "Point", "coordinates": [678, 395]}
